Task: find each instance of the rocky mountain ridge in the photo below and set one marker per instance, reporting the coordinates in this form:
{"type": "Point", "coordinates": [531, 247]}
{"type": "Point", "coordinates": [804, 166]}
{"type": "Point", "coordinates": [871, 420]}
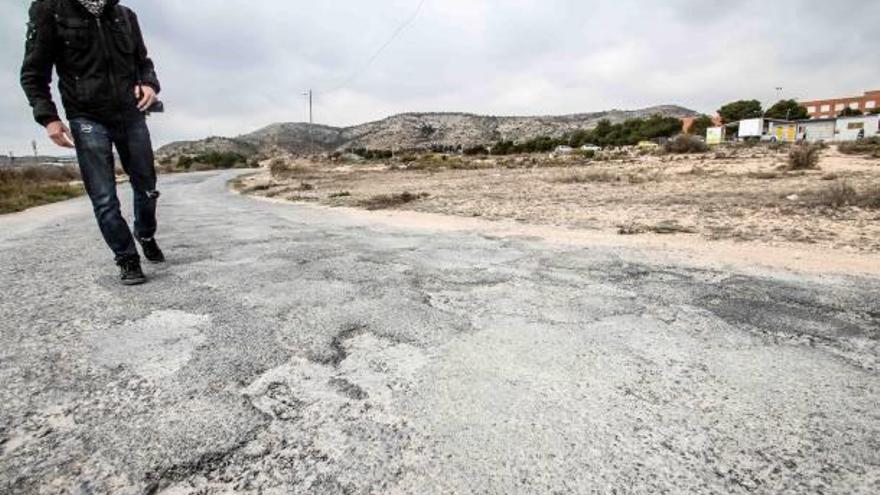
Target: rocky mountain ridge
{"type": "Point", "coordinates": [409, 131]}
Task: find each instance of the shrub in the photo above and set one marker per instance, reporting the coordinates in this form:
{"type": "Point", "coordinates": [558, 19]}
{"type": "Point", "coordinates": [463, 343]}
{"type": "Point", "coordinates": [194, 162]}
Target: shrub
{"type": "Point", "coordinates": [870, 146]}
{"type": "Point", "coordinates": [185, 162]}
{"type": "Point", "coordinates": [764, 175]}
{"type": "Point", "coordinates": [475, 150]}
{"type": "Point", "coordinates": [686, 143]}
{"type": "Point", "coordinates": [278, 168]}
{"type": "Point", "coordinates": [840, 193]}
{"type": "Point", "coordinates": [383, 201]}
{"type": "Point", "coordinates": [588, 177]}
{"type": "Point", "coordinates": [837, 195]}
{"type": "Point", "coordinates": [369, 154]}
{"type": "Point", "coordinates": [804, 157]}
{"type": "Point", "coordinates": [220, 159]}
{"type": "Point", "coordinates": [870, 198]}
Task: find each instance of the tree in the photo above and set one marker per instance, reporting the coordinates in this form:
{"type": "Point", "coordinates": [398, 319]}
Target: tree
{"type": "Point", "coordinates": [741, 110]}
{"type": "Point", "coordinates": [850, 112]}
{"type": "Point", "coordinates": [787, 110]}
{"type": "Point", "coordinates": [875, 111]}
{"type": "Point", "coordinates": [700, 125]}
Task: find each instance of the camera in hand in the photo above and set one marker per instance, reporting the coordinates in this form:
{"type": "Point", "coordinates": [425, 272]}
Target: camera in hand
{"type": "Point", "coordinates": [156, 107]}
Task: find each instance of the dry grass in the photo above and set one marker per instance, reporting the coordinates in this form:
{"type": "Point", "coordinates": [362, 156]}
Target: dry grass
{"type": "Point", "coordinates": [840, 194]}
{"type": "Point", "coordinates": [666, 227]}
{"type": "Point", "coordinates": [764, 175]}
{"type": "Point", "coordinates": [282, 169]}
{"type": "Point", "coordinates": [750, 196]}
{"type": "Point", "coordinates": [385, 201]}
{"type": "Point", "coordinates": [433, 162]}
{"type": "Point", "coordinates": [588, 177]}
{"type": "Point", "coordinates": [25, 187]}
{"type": "Point", "coordinates": [869, 147]}
{"type": "Point", "coordinates": [606, 176]}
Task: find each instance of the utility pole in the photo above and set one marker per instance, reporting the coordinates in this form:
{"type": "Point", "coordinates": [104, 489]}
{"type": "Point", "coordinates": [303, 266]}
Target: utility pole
{"type": "Point", "coordinates": [34, 146]}
{"type": "Point", "coordinates": [309, 94]}
{"type": "Point", "coordinates": [311, 117]}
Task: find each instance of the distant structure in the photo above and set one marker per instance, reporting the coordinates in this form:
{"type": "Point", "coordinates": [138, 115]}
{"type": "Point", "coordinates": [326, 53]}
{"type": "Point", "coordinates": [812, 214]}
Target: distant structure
{"type": "Point", "coordinates": [824, 109]}
{"type": "Point", "coordinates": [688, 122]}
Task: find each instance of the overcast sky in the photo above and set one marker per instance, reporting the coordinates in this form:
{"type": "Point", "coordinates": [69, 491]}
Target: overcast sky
{"type": "Point", "coordinates": [230, 67]}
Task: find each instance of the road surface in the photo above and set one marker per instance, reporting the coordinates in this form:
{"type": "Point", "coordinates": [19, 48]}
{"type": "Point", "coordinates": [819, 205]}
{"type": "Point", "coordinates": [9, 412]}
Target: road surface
{"type": "Point", "coordinates": [291, 349]}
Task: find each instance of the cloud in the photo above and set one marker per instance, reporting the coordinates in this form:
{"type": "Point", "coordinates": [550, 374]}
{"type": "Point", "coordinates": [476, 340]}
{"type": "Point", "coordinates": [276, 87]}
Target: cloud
{"type": "Point", "coordinates": [230, 67]}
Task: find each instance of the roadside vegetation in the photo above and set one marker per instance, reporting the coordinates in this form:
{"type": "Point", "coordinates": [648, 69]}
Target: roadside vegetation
{"type": "Point", "coordinates": [761, 192]}
{"type": "Point", "coordinates": [869, 147]}
{"type": "Point", "coordinates": [25, 187]}
{"type": "Point", "coordinates": [385, 201]}
{"type": "Point", "coordinates": [214, 160]}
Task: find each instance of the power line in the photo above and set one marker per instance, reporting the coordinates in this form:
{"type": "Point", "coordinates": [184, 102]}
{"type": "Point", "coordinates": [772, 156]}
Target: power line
{"type": "Point", "coordinates": [405, 24]}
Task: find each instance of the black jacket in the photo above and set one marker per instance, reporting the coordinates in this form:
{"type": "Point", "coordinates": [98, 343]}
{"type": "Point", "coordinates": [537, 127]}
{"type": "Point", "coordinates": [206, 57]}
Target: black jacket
{"type": "Point", "coordinates": [98, 60]}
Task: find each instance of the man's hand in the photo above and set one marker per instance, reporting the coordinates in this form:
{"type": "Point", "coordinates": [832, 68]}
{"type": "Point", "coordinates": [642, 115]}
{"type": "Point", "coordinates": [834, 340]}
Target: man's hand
{"type": "Point", "coordinates": [60, 134]}
{"type": "Point", "coordinates": [146, 96]}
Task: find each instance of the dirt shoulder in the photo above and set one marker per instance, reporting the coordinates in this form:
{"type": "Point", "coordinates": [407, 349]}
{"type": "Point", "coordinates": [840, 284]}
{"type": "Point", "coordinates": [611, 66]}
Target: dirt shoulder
{"type": "Point", "coordinates": [732, 205]}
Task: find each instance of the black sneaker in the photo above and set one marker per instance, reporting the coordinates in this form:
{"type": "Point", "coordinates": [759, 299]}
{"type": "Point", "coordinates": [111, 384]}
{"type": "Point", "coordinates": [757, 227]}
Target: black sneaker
{"type": "Point", "coordinates": [130, 272]}
{"type": "Point", "coordinates": [151, 250]}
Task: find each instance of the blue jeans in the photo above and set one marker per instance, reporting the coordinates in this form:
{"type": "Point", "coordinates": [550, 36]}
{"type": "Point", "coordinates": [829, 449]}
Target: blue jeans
{"type": "Point", "coordinates": [94, 151]}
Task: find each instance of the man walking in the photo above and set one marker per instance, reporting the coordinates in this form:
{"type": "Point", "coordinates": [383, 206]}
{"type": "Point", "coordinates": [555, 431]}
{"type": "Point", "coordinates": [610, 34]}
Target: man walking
{"type": "Point", "coordinates": [107, 83]}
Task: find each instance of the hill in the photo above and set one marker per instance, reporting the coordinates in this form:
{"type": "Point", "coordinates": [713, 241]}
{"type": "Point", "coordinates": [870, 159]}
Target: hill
{"type": "Point", "coordinates": [410, 131]}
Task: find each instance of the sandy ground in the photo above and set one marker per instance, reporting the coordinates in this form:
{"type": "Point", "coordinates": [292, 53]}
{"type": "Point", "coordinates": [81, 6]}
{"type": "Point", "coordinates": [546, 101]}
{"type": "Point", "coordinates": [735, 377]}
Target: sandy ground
{"type": "Point", "coordinates": [735, 202]}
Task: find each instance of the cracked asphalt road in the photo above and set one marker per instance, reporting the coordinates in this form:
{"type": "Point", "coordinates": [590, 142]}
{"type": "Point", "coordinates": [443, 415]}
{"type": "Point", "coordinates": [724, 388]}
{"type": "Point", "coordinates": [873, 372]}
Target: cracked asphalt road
{"type": "Point", "coordinates": [289, 349]}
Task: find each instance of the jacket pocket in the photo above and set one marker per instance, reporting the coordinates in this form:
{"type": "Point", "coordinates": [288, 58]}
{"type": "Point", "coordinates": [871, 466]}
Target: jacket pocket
{"type": "Point", "coordinates": [74, 33]}
{"type": "Point", "coordinates": [122, 36]}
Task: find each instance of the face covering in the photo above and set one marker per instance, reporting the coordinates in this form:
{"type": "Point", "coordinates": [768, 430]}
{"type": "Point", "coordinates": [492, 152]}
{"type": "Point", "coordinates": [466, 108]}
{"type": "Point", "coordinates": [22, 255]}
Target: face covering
{"type": "Point", "coordinates": [96, 7]}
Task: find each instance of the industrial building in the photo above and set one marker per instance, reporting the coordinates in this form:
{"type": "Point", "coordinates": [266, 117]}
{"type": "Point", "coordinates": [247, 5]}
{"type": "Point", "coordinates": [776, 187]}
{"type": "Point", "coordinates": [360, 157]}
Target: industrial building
{"type": "Point", "coordinates": [820, 109]}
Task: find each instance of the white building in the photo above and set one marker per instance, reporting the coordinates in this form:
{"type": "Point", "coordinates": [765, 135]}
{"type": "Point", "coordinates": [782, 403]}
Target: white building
{"type": "Point", "coordinates": [817, 130]}
{"type": "Point", "coordinates": [854, 128]}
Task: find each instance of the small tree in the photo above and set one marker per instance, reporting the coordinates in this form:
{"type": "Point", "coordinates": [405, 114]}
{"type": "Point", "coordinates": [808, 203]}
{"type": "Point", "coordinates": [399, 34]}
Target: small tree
{"type": "Point", "coordinates": [788, 110]}
{"type": "Point", "coordinates": [850, 112]}
{"type": "Point", "coordinates": [740, 110]}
